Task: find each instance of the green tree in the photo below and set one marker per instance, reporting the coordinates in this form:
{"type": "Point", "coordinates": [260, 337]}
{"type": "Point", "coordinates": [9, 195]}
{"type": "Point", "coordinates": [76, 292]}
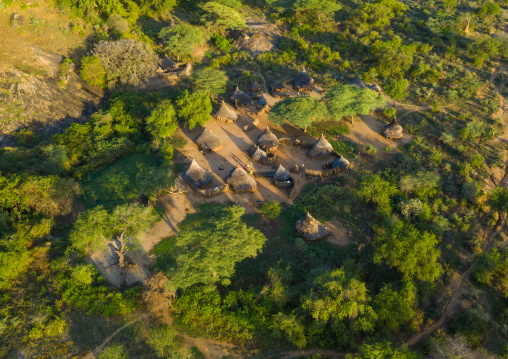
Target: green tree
{"type": "Point", "coordinates": [498, 199]}
{"type": "Point", "coordinates": [323, 7]}
{"type": "Point", "coordinates": [157, 6]}
{"type": "Point", "coordinates": [270, 209]}
{"type": "Point", "coordinates": [383, 350]}
{"type": "Point", "coordinates": [393, 308]}
{"type": "Point", "coordinates": [412, 252]}
{"type": "Point", "coordinates": [194, 108]}
{"type": "Point", "coordinates": [221, 16]}
{"type": "Point", "coordinates": [397, 89]}
{"type": "Point", "coordinates": [393, 57]}
{"type": "Point", "coordinates": [167, 344]}
{"type": "Point", "coordinates": [211, 242]}
{"type": "Point", "coordinates": [96, 227]}
{"type": "Point", "coordinates": [375, 189]}
{"type": "Point", "coordinates": [350, 100]}
{"type": "Point", "coordinates": [300, 111]}
{"type": "Point", "coordinates": [336, 296]}
{"type": "Point", "coordinates": [92, 71]}
{"type": "Point", "coordinates": [378, 14]}
{"type": "Point", "coordinates": [113, 351]}
{"type": "Point", "coordinates": [162, 121]}
{"type": "Point", "coordinates": [290, 328]}
{"type": "Point", "coordinates": [179, 40]}
{"type": "Point", "coordinates": [210, 80]}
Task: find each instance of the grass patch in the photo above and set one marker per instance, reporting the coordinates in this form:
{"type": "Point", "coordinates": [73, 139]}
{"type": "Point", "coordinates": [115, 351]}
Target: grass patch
{"type": "Point", "coordinates": [347, 149]}
{"type": "Point", "coordinates": [178, 141]}
{"type": "Point", "coordinates": [328, 128]}
{"type": "Point", "coordinates": [117, 184]}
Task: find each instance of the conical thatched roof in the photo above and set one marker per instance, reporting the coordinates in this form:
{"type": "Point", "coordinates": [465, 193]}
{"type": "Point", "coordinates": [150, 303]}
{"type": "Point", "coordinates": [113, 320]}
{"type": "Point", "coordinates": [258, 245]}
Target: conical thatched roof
{"type": "Point", "coordinates": [208, 140]}
{"type": "Point", "coordinates": [262, 101]}
{"type": "Point", "coordinates": [303, 81]}
{"type": "Point", "coordinates": [257, 154]}
{"type": "Point", "coordinates": [358, 82]}
{"type": "Point", "coordinates": [224, 113]}
{"type": "Point", "coordinates": [196, 175]}
{"type": "Point", "coordinates": [309, 228]}
{"type": "Point", "coordinates": [281, 174]}
{"type": "Point", "coordinates": [393, 130]}
{"type": "Point", "coordinates": [340, 163]}
{"type": "Point", "coordinates": [239, 97]}
{"type": "Point", "coordinates": [321, 148]}
{"type": "Point", "coordinates": [256, 87]}
{"type": "Point", "coordinates": [167, 64]}
{"type": "Point", "coordinates": [376, 87]}
{"type": "Point", "coordinates": [267, 139]}
{"type": "Point", "coordinates": [240, 180]}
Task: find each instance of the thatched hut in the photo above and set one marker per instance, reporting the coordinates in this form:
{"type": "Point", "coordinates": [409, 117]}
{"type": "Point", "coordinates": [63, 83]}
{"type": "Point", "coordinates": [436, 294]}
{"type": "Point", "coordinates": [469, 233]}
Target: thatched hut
{"type": "Point", "coordinates": [357, 81]}
{"type": "Point", "coordinates": [224, 113]}
{"type": "Point", "coordinates": [309, 228]}
{"type": "Point", "coordinates": [321, 148]}
{"type": "Point", "coordinates": [376, 88]}
{"type": "Point", "coordinates": [340, 163]}
{"type": "Point", "coordinates": [256, 87]}
{"type": "Point", "coordinates": [303, 82]}
{"type": "Point", "coordinates": [279, 89]}
{"type": "Point", "coordinates": [208, 140]}
{"type": "Point", "coordinates": [281, 174]}
{"type": "Point", "coordinates": [393, 130]}
{"type": "Point", "coordinates": [240, 181]}
{"type": "Point", "coordinates": [257, 154]}
{"type": "Point", "coordinates": [261, 103]}
{"type": "Point", "coordinates": [267, 140]}
{"type": "Point", "coordinates": [240, 98]}
{"type": "Point", "coordinates": [167, 65]}
{"type": "Point", "coordinates": [196, 175]}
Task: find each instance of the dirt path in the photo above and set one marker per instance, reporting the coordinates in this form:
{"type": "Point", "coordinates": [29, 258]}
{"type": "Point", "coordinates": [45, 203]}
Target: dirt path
{"type": "Point", "coordinates": [97, 350]}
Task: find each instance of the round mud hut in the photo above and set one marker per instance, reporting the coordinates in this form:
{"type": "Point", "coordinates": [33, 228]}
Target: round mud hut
{"type": "Point", "coordinates": [303, 82]}
{"type": "Point", "coordinates": [240, 181]}
{"type": "Point", "coordinates": [208, 141]}
{"type": "Point", "coordinates": [340, 163]}
{"type": "Point", "coordinates": [309, 228]}
{"type": "Point", "coordinates": [240, 98]}
{"type": "Point", "coordinates": [267, 140]}
{"type": "Point", "coordinates": [281, 175]}
{"type": "Point", "coordinates": [167, 65]}
{"type": "Point", "coordinates": [393, 130]}
{"type": "Point", "coordinates": [279, 89]}
{"type": "Point", "coordinates": [261, 103]}
{"type": "Point", "coordinates": [196, 175]}
{"type": "Point", "coordinates": [321, 148]}
{"type": "Point", "coordinates": [224, 113]}
{"type": "Point", "coordinates": [257, 154]}
{"type": "Point", "coordinates": [357, 81]}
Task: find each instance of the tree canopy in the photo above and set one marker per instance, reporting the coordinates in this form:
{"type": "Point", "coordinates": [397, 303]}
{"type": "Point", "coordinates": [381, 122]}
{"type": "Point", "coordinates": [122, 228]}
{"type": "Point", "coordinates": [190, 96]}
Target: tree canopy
{"type": "Point", "coordinates": [413, 253]}
{"type": "Point", "coordinates": [180, 39]}
{"type": "Point", "coordinates": [95, 227]}
{"type": "Point", "coordinates": [221, 16]}
{"type": "Point", "coordinates": [194, 108]}
{"type": "Point", "coordinates": [210, 80]}
{"type": "Point", "coordinates": [210, 244]}
{"type": "Point", "coordinates": [300, 111]}
{"type": "Point", "coordinates": [350, 100]}
{"type": "Point", "coordinates": [162, 121]}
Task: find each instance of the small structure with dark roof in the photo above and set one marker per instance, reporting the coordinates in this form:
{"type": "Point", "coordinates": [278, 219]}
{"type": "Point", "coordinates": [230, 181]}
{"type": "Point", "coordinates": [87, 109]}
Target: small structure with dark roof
{"type": "Point", "coordinates": [224, 113]}
{"type": "Point", "coordinates": [261, 102]}
{"type": "Point", "coordinates": [257, 154]}
{"type": "Point", "coordinates": [240, 98]}
{"type": "Point", "coordinates": [208, 140]}
{"type": "Point", "coordinates": [267, 140]}
{"type": "Point", "coordinates": [340, 163]}
{"type": "Point", "coordinates": [309, 228]}
{"type": "Point", "coordinates": [321, 148]}
{"type": "Point", "coordinates": [357, 81]}
{"type": "Point", "coordinates": [196, 175]}
{"type": "Point", "coordinates": [393, 130]}
{"type": "Point", "coordinates": [240, 181]}
{"type": "Point", "coordinates": [279, 89]}
{"type": "Point", "coordinates": [256, 87]}
{"type": "Point", "coordinates": [282, 175]}
{"type": "Point", "coordinates": [303, 82]}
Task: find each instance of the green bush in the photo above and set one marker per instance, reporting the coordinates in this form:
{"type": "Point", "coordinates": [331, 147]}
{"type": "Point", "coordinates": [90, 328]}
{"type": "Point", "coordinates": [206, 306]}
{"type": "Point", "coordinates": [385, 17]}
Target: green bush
{"type": "Point", "coordinates": [397, 89]}
{"type": "Point", "coordinates": [92, 71]}
{"type": "Point", "coordinates": [270, 209]}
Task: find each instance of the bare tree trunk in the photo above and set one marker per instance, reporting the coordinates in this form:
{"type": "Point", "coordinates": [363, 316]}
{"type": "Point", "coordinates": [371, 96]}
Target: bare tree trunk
{"type": "Point", "coordinates": [353, 121]}
{"type": "Point", "coordinates": [466, 30]}
{"type": "Point", "coordinates": [120, 250]}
